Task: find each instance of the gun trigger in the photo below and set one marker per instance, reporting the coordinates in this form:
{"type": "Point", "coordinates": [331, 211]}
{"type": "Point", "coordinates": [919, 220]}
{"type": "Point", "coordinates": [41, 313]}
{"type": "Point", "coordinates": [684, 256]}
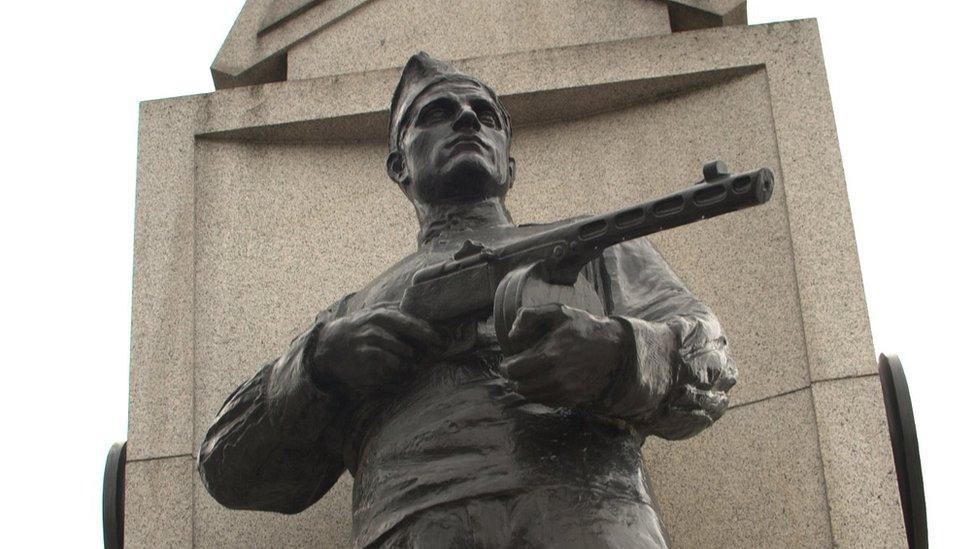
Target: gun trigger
{"type": "Point", "coordinates": [468, 249]}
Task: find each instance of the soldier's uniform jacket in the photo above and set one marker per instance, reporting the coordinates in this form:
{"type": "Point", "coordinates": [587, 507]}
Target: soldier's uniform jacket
{"type": "Point", "coordinates": [456, 431]}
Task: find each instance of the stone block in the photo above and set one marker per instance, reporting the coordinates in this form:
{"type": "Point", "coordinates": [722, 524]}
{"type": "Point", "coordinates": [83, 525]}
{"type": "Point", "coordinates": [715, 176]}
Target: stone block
{"type": "Point", "coordinates": [718, 7]}
{"type": "Point", "coordinates": [276, 253]}
{"type": "Point", "coordinates": [449, 29]}
{"type": "Point", "coordinates": [282, 11]}
{"type": "Point", "coordinates": [254, 204]}
{"type": "Point", "coordinates": [688, 15]}
{"type": "Point", "coordinates": [752, 480]}
{"type": "Point", "coordinates": [255, 50]}
{"type": "Point", "coordinates": [252, 265]}
{"type": "Point", "coordinates": [159, 503]}
{"type": "Point", "coordinates": [835, 317]}
{"type": "Point", "coordinates": [862, 487]}
{"type": "Point", "coordinates": [310, 39]}
{"type": "Point", "coordinates": [161, 372]}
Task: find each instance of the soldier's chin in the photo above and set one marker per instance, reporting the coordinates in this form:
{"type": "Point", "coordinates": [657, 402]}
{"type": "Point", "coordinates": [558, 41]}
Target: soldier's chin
{"type": "Point", "coordinates": [472, 180]}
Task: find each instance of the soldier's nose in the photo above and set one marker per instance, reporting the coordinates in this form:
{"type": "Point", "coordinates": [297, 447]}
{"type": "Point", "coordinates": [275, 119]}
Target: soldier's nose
{"type": "Point", "coordinates": [467, 120]}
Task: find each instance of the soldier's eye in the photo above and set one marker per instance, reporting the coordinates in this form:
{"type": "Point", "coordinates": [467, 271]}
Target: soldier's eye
{"type": "Point", "coordinates": [486, 112]}
{"type": "Point", "coordinates": [432, 114]}
{"type": "Point", "coordinates": [488, 119]}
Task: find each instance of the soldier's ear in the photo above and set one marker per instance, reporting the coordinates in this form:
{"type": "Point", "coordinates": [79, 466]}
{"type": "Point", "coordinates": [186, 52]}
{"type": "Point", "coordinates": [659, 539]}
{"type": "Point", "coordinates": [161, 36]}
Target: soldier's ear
{"type": "Point", "coordinates": [396, 169]}
{"type": "Point", "coordinates": [511, 172]}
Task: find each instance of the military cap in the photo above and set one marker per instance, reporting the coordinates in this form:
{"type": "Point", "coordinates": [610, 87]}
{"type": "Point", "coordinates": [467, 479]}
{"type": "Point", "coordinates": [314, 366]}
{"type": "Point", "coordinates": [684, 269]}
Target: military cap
{"type": "Point", "coordinates": [420, 73]}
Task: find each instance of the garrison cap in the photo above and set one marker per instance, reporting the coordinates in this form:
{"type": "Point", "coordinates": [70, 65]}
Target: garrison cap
{"type": "Point", "coordinates": [420, 73]}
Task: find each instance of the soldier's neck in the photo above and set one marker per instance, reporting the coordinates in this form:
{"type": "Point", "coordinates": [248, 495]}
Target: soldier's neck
{"type": "Point", "coordinates": [437, 220]}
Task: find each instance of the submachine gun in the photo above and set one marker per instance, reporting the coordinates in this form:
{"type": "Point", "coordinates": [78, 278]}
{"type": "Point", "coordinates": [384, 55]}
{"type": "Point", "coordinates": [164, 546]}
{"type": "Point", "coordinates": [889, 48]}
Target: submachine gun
{"type": "Point", "coordinates": [545, 267]}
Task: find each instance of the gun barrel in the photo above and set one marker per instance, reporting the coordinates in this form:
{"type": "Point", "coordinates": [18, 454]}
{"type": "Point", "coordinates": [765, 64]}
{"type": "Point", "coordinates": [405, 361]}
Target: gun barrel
{"type": "Point", "coordinates": [701, 201]}
{"type": "Point", "coordinates": [575, 243]}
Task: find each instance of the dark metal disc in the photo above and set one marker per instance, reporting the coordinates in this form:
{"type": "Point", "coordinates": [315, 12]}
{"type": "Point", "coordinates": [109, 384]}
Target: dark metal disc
{"type": "Point", "coordinates": [527, 287]}
{"type": "Point", "coordinates": [904, 446]}
{"type": "Point", "coordinates": [113, 497]}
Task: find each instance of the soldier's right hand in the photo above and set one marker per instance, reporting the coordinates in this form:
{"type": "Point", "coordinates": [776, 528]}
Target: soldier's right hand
{"type": "Point", "coordinates": [371, 348]}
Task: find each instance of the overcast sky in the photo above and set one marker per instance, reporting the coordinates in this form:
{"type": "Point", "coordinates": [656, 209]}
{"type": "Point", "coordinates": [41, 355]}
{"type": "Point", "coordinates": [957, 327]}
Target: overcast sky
{"type": "Point", "coordinates": [74, 72]}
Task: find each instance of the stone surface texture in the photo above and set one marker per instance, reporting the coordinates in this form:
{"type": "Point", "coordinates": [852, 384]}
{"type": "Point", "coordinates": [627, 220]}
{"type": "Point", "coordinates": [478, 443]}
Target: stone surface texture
{"type": "Point", "coordinates": [254, 204]}
{"type": "Point", "coordinates": [327, 37]}
{"type": "Point", "coordinates": [159, 503]}
{"type": "Point", "coordinates": [249, 56]}
{"type": "Point", "coordinates": [459, 30]}
{"type": "Point", "coordinates": [860, 473]}
{"type": "Point", "coordinates": [706, 14]}
{"type": "Point", "coordinates": [160, 415]}
{"type": "Point", "coordinates": [718, 7]}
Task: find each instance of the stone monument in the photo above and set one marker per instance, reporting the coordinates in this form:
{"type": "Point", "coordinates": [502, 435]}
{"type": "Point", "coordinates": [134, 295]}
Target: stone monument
{"type": "Point", "coordinates": [492, 388]}
{"type": "Point", "coordinates": [260, 203]}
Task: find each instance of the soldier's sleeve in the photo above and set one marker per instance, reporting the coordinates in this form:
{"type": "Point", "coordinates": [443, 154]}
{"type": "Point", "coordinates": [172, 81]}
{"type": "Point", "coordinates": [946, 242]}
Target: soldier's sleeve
{"type": "Point", "coordinates": [276, 444]}
{"type": "Point", "coordinates": [676, 381]}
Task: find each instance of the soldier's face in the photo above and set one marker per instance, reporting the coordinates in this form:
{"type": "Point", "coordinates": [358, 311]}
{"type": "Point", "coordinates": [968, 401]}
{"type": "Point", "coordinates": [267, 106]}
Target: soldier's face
{"type": "Point", "coordinates": [454, 146]}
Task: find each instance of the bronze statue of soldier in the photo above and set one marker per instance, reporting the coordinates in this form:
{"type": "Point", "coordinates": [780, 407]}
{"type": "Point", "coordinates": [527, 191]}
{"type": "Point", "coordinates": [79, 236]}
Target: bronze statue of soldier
{"type": "Point", "coordinates": [461, 444]}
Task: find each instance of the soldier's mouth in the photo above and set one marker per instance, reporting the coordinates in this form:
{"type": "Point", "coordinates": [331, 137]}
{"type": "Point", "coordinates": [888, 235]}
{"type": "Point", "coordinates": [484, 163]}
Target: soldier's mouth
{"type": "Point", "coordinates": [470, 142]}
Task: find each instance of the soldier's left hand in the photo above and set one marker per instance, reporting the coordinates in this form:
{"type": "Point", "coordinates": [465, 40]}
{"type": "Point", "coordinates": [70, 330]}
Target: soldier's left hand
{"type": "Point", "coordinates": [570, 355]}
